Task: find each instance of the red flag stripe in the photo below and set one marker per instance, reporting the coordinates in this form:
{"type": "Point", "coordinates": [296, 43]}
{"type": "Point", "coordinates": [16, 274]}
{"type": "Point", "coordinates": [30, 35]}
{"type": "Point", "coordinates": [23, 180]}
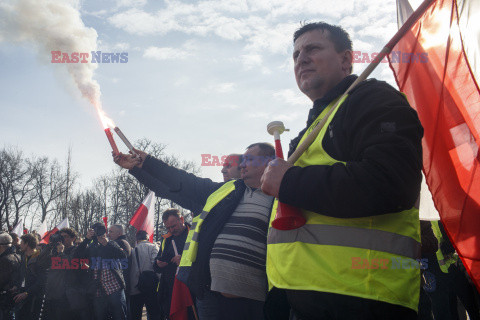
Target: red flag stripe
{"type": "Point", "coordinates": [446, 96]}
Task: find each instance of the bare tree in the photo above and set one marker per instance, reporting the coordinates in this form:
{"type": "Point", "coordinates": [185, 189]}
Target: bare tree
{"type": "Point", "coordinates": [49, 184]}
{"type": "Point", "coordinates": [16, 187]}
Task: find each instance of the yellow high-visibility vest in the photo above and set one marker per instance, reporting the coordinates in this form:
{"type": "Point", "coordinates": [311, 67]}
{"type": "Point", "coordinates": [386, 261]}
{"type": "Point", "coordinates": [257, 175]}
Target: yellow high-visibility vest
{"type": "Point", "coordinates": [191, 244]}
{"type": "Point", "coordinates": [370, 257]}
{"type": "Point", "coordinates": [442, 262]}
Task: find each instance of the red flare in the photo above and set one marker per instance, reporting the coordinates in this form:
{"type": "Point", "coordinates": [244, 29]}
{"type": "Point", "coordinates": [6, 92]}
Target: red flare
{"type": "Point", "coordinates": [112, 142]}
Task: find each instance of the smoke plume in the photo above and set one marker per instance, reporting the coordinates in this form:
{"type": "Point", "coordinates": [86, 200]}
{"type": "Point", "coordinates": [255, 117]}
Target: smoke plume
{"type": "Point", "coordinates": [53, 25]}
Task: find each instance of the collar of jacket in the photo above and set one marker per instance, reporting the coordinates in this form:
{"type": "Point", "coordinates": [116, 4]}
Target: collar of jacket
{"type": "Point", "coordinates": [320, 104]}
{"type": "Point", "coordinates": [122, 237]}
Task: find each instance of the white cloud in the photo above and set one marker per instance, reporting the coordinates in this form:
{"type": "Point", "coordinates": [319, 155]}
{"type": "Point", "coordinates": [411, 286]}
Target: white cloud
{"type": "Point", "coordinates": [165, 53]}
{"type": "Point", "coordinates": [226, 87]}
{"type": "Point", "coordinates": [290, 96]}
{"type": "Point", "coordinates": [131, 3]}
{"type": "Point", "coordinates": [251, 60]}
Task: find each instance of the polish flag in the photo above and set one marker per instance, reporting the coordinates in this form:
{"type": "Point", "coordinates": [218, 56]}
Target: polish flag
{"type": "Point", "coordinates": [60, 226]}
{"type": "Point", "coordinates": [181, 297]}
{"type": "Point", "coordinates": [441, 81]}
{"type": "Point", "coordinates": [42, 231]}
{"type": "Point", "coordinates": [143, 217]}
{"type": "Point", "coordinates": [18, 229]}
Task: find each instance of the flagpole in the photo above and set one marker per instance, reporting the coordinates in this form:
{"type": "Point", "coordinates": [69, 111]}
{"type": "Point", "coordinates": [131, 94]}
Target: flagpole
{"type": "Point", "coordinates": [385, 51]}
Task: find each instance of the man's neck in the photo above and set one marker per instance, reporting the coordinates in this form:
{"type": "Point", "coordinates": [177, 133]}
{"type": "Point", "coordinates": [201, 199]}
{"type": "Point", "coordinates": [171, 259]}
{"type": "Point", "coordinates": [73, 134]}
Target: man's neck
{"type": "Point", "coordinates": [29, 252]}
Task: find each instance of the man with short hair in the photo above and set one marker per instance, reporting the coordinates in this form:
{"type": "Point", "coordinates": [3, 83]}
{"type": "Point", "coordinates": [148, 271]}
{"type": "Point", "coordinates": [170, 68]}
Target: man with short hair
{"type": "Point", "coordinates": [107, 284]}
{"type": "Point", "coordinates": [116, 233]}
{"type": "Point", "coordinates": [231, 167]}
{"type": "Point", "coordinates": [356, 185]}
{"type": "Point", "coordinates": [33, 273]}
{"type": "Point", "coordinates": [9, 273]}
{"type": "Point", "coordinates": [143, 259]}
{"type": "Point", "coordinates": [169, 256]}
{"type": "Point", "coordinates": [224, 255]}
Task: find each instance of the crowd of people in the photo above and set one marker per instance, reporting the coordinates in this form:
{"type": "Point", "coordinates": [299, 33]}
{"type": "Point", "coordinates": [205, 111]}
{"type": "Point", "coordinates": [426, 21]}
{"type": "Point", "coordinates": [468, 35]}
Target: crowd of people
{"type": "Point", "coordinates": [360, 254]}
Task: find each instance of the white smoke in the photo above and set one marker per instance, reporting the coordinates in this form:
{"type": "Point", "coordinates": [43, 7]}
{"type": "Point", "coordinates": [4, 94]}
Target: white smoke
{"type": "Point", "coordinates": [53, 25]}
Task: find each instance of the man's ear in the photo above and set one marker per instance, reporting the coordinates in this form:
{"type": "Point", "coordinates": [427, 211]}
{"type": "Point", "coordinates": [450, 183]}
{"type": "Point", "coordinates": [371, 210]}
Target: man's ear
{"type": "Point", "coordinates": [182, 219]}
{"type": "Point", "coordinates": [347, 60]}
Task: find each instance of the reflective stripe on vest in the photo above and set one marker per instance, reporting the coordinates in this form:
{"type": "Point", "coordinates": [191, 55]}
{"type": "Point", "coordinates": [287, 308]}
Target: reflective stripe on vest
{"type": "Point", "coordinates": [346, 236]}
{"type": "Point", "coordinates": [191, 244]}
{"type": "Point", "coordinates": [362, 257]}
{"type": "Point", "coordinates": [442, 262]}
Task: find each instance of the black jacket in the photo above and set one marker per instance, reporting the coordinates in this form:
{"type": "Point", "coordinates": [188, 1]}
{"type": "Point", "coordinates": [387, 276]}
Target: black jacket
{"type": "Point", "coordinates": [192, 192]}
{"type": "Point", "coordinates": [378, 135]}
{"type": "Point", "coordinates": [10, 269]}
{"type": "Point", "coordinates": [92, 249]}
{"type": "Point", "coordinates": [147, 177]}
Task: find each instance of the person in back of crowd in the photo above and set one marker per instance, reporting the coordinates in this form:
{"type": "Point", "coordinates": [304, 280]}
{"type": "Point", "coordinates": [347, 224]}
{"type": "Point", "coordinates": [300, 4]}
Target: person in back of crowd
{"type": "Point", "coordinates": [116, 233]}
{"type": "Point", "coordinates": [168, 258]}
{"type": "Point", "coordinates": [33, 272]}
{"type": "Point", "coordinates": [15, 242]}
{"type": "Point", "coordinates": [449, 280]}
{"type": "Point", "coordinates": [65, 287]}
{"type": "Point", "coordinates": [231, 167]}
{"type": "Point", "coordinates": [9, 273]}
{"type": "Point", "coordinates": [106, 283]}
{"type": "Point", "coordinates": [55, 292]}
{"type": "Point", "coordinates": [429, 246]}
{"type": "Point", "coordinates": [143, 258]}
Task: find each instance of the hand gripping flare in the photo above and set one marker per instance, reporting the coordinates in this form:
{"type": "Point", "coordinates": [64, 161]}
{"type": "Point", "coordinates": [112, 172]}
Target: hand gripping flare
{"type": "Point", "coordinates": [287, 217]}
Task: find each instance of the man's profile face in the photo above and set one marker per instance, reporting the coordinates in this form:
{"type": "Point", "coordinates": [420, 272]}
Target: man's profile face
{"type": "Point", "coordinates": [174, 225]}
{"type": "Point", "coordinates": [23, 246]}
{"type": "Point", "coordinates": [318, 66]}
{"type": "Point", "coordinates": [231, 168]}
{"type": "Point", "coordinates": [252, 167]}
{"type": "Point", "coordinates": [113, 233]}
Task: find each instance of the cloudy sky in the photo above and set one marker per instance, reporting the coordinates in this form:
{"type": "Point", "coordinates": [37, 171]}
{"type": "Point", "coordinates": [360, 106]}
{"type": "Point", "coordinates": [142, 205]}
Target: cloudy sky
{"type": "Point", "coordinates": [202, 77]}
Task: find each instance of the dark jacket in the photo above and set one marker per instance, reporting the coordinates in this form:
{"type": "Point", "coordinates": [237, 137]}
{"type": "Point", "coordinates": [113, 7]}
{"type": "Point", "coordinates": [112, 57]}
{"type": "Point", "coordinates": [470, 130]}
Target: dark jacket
{"type": "Point", "coordinates": [33, 270]}
{"type": "Point", "coordinates": [378, 135]}
{"type": "Point", "coordinates": [194, 191]}
{"type": "Point", "coordinates": [92, 249]}
{"type": "Point", "coordinates": [429, 241]}
{"type": "Point", "coordinates": [165, 255]}
{"type": "Point", "coordinates": [123, 243]}
{"type": "Point", "coordinates": [10, 269]}
{"type": "Point", "coordinates": [163, 191]}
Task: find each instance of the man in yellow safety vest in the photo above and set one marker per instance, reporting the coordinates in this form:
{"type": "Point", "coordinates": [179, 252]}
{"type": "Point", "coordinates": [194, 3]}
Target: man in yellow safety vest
{"type": "Point", "coordinates": [356, 185]}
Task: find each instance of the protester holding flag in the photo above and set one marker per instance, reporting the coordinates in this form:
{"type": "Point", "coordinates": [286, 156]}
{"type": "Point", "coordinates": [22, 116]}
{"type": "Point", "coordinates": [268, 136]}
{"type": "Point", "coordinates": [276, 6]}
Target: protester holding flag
{"type": "Point", "coordinates": [356, 185]}
{"type": "Point", "coordinates": [168, 258]}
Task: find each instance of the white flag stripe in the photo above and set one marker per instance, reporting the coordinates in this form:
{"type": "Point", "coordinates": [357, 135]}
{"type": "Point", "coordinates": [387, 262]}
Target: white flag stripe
{"type": "Point", "coordinates": [18, 229]}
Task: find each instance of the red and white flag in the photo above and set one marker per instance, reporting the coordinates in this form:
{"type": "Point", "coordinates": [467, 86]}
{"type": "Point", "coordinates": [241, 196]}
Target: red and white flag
{"type": "Point", "coordinates": [143, 217]}
{"type": "Point", "coordinates": [42, 231]}
{"type": "Point", "coordinates": [181, 297]}
{"type": "Point", "coordinates": [440, 78]}
{"type": "Point", "coordinates": [18, 229]}
{"type": "Point", "coordinates": [60, 226]}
